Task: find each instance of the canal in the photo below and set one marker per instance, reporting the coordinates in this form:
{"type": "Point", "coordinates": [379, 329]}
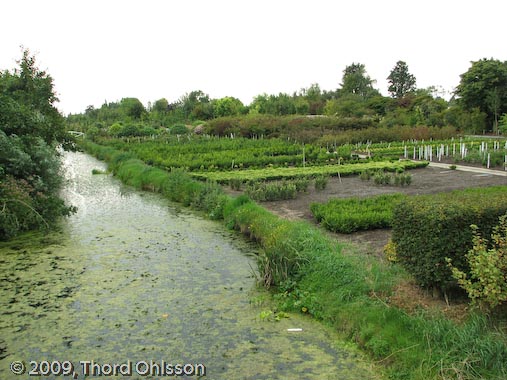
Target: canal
{"type": "Point", "coordinates": [135, 280]}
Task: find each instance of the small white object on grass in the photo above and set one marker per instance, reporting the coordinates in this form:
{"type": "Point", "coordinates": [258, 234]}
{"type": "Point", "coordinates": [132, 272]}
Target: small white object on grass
{"type": "Point", "coordinates": [295, 330]}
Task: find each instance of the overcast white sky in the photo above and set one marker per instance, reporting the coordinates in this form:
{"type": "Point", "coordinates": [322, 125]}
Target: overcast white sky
{"type": "Point", "coordinates": [98, 50]}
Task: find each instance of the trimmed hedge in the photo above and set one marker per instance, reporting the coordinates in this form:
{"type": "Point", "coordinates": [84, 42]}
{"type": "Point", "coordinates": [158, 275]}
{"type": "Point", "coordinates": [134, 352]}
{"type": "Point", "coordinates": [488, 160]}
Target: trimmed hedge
{"type": "Point", "coordinates": [427, 229]}
{"type": "Point", "coordinates": [356, 214]}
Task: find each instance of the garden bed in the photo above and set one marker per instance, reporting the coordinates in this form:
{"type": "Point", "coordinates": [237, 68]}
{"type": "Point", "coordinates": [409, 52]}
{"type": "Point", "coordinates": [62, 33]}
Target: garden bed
{"type": "Point", "coordinates": [429, 180]}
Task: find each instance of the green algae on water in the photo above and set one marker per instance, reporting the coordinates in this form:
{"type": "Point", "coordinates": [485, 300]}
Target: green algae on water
{"type": "Point", "coordinates": [133, 277]}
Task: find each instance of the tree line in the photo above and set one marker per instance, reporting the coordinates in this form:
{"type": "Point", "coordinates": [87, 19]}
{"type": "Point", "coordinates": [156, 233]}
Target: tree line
{"type": "Point", "coordinates": [478, 104]}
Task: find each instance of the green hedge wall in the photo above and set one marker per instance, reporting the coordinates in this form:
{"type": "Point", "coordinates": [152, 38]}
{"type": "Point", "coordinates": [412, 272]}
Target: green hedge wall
{"type": "Point", "coordinates": [429, 228]}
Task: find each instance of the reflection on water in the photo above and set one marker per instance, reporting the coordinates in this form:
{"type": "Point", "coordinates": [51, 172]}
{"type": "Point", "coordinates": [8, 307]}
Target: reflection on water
{"type": "Point", "coordinates": [133, 277]}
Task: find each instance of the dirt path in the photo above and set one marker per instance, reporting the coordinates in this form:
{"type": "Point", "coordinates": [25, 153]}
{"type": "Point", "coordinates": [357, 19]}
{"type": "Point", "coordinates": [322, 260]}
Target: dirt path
{"type": "Point", "coordinates": [473, 169]}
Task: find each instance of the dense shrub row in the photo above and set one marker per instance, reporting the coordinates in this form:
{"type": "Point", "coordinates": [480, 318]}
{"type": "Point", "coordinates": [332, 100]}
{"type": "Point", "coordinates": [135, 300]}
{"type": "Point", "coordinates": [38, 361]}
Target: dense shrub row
{"type": "Point", "coordinates": [356, 214]}
{"type": "Point", "coordinates": [303, 128]}
{"type": "Point", "coordinates": [427, 229]}
{"type": "Point", "coordinates": [387, 134]}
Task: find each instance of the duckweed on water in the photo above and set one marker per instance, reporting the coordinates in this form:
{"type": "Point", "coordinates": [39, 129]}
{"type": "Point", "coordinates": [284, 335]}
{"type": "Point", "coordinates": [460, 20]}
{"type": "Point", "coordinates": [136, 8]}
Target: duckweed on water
{"type": "Point", "coordinates": [133, 278]}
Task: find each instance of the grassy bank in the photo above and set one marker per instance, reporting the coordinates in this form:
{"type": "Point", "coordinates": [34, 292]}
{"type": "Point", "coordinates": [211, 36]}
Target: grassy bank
{"type": "Point", "coordinates": [308, 273]}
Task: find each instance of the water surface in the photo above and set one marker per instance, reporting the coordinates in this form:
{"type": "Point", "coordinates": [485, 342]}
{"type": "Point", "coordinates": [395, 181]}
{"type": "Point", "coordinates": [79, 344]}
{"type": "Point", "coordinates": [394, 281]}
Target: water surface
{"type": "Point", "coordinates": [133, 277]}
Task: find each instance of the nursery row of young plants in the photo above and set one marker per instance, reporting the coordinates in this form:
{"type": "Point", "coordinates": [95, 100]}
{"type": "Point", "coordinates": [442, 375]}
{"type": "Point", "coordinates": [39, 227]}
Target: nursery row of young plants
{"type": "Point", "coordinates": [199, 153]}
{"type": "Point", "coordinates": [349, 215]}
{"type": "Point", "coordinates": [278, 190]}
{"type": "Point", "coordinates": [270, 174]}
{"type": "Point", "coordinates": [488, 152]}
{"type": "Point", "coordinates": [209, 154]}
{"type": "Point", "coordinates": [309, 273]}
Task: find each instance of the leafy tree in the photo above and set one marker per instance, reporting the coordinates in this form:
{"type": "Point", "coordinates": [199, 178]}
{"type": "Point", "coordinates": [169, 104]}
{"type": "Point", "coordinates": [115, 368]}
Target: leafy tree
{"type": "Point", "coordinates": [27, 102]}
{"type": "Point", "coordinates": [356, 81]}
{"type": "Point", "coordinates": [484, 86]}
{"type": "Point", "coordinates": [202, 111]}
{"type": "Point", "coordinates": [92, 112]}
{"type": "Point", "coordinates": [227, 106]}
{"type": "Point", "coordinates": [379, 104]}
{"type": "Point", "coordinates": [400, 80]}
{"type": "Point", "coordinates": [313, 92]}
{"type": "Point", "coordinates": [473, 121]}
{"type": "Point", "coordinates": [429, 110]}
{"type": "Point", "coordinates": [161, 106]}
{"type": "Point", "coordinates": [30, 127]}
{"type": "Point", "coordinates": [115, 129]}
{"type": "Point", "coordinates": [502, 126]}
{"type": "Point", "coordinates": [398, 116]}
{"type": "Point", "coordinates": [92, 133]}
{"type": "Point", "coordinates": [314, 98]}
{"type": "Point", "coordinates": [350, 105]}
{"type": "Point", "coordinates": [189, 101]}
{"type": "Point", "coordinates": [132, 107]}
{"type": "Point", "coordinates": [281, 104]}
{"type": "Point", "coordinates": [130, 130]}
{"type": "Point", "coordinates": [303, 106]}
{"type": "Point", "coordinates": [107, 114]}
{"type": "Point", "coordinates": [260, 104]}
